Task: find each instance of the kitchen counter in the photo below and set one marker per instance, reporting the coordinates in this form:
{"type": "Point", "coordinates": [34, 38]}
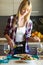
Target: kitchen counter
{"type": "Point", "coordinates": [31, 62]}
{"type": "Point", "coordinates": [3, 40]}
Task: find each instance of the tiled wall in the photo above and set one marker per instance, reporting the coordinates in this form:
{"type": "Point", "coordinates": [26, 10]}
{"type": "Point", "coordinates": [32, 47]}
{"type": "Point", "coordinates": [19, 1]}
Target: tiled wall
{"type": "Point", "coordinates": [3, 22]}
{"type": "Point", "coordinates": [35, 19]}
{"type": "Point", "coordinates": [37, 25]}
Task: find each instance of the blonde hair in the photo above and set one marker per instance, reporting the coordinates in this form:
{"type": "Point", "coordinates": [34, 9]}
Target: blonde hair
{"type": "Point", "coordinates": [22, 5]}
{"type": "Point", "coordinates": [28, 15]}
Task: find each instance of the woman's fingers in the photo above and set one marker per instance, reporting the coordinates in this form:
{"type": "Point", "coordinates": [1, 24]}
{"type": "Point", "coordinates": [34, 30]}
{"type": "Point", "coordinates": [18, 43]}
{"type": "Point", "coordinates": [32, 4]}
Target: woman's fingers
{"type": "Point", "coordinates": [37, 38]}
{"type": "Point", "coordinates": [10, 43]}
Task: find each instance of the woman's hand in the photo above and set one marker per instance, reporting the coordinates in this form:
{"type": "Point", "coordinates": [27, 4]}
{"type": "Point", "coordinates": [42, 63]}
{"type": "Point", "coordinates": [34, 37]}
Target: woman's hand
{"type": "Point", "coordinates": [37, 39]}
{"type": "Point", "coordinates": [34, 39]}
{"type": "Point", "coordinates": [21, 18]}
{"type": "Point", "coordinates": [12, 44]}
{"type": "Point", "coordinates": [24, 13]}
{"type": "Point", "coordinates": [10, 41]}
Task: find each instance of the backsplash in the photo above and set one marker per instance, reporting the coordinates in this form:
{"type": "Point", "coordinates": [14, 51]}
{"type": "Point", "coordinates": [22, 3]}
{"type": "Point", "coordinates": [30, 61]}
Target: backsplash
{"type": "Point", "coordinates": [37, 25]}
{"type": "Point", "coordinates": [3, 22]}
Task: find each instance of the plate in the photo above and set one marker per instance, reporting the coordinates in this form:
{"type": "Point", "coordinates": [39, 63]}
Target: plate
{"type": "Point", "coordinates": [24, 56]}
{"type": "Point", "coordinates": [17, 55]}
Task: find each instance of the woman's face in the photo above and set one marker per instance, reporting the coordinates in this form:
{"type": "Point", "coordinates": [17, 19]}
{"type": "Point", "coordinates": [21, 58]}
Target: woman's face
{"type": "Point", "coordinates": [24, 10]}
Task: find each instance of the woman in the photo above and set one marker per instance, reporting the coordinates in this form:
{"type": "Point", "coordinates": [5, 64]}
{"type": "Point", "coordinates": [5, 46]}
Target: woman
{"type": "Point", "coordinates": [18, 29]}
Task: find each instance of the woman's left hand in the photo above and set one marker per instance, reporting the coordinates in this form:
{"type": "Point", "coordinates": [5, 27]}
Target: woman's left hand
{"type": "Point", "coordinates": [34, 39]}
{"type": "Point", "coordinates": [37, 39]}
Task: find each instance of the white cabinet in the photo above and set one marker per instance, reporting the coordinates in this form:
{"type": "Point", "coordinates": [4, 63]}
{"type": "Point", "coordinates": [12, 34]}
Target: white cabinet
{"type": "Point", "coordinates": [16, 5]}
{"type": "Point", "coordinates": [6, 7]}
{"type": "Point", "coordinates": [37, 6]}
{"type": "Point", "coordinates": [9, 7]}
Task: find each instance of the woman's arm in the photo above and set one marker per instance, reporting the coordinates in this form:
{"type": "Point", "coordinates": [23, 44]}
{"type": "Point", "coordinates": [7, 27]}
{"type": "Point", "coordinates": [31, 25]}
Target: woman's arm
{"type": "Point", "coordinates": [9, 40]}
{"type": "Point", "coordinates": [7, 37]}
{"type": "Point", "coordinates": [7, 33]}
{"type": "Point", "coordinates": [29, 38]}
{"type": "Point", "coordinates": [29, 30]}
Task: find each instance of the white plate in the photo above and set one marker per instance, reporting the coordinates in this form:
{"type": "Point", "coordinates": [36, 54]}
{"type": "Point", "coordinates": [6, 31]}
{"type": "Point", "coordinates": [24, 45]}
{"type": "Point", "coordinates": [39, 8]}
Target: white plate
{"type": "Point", "coordinates": [21, 55]}
{"type": "Point", "coordinates": [17, 56]}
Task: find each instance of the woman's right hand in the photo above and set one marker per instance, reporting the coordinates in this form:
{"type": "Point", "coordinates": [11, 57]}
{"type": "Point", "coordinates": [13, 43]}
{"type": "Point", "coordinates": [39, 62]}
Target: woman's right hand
{"type": "Point", "coordinates": [24, 13]}
{"type": "Point", "coordinates": [10, 43]}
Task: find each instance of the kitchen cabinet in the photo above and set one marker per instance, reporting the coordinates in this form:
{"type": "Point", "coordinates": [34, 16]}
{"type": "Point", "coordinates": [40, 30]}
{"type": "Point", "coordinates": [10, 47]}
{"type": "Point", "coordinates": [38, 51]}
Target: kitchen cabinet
{"type": "Point", "coordinates": [9, 7]}
{"type": "Point", "coordinates": [6, 7]}
{"type": "Point", "coordinates": [37, 7]}
{"type": "Point", "coordinates": [16, 5]}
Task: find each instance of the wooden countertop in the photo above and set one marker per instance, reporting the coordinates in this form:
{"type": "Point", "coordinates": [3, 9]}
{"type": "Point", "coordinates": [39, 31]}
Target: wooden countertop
{"type": "Point", "coordinates": [3, 40]}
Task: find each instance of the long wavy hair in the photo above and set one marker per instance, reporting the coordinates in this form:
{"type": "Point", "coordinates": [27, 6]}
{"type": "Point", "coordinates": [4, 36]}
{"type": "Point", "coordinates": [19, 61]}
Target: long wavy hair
{"type": "Point", "coordinates": [22, 5]}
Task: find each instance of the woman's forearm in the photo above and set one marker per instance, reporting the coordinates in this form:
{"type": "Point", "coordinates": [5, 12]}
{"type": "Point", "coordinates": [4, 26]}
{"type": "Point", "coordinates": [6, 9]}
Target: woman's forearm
{"type": "Point", "coordinates": [7, 37]}
{"type": "Point", "coordinates": [10, 42]}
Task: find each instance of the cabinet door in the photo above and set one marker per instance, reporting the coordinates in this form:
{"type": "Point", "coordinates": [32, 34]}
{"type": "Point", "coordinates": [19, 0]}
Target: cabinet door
{"type": "Point", "coordinates": [6, 7]}
{"type": "Point", "coordinates": [37, 6]}
{"type": "Point", "coordinates": [16, 5]}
